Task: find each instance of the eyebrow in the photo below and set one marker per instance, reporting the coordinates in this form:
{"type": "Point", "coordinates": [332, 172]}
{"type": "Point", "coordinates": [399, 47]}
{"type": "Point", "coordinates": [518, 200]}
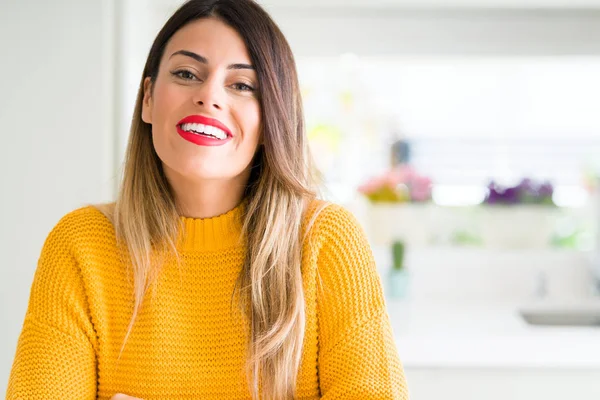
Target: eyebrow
{"type": "Point", "coordinates": [204, 60]}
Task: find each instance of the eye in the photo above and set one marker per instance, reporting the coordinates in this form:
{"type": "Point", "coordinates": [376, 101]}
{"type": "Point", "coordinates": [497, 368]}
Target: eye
{"type": "Point", "coordinates": [184, 74]}
{"type": "Point", "coordinates": [243, 87]}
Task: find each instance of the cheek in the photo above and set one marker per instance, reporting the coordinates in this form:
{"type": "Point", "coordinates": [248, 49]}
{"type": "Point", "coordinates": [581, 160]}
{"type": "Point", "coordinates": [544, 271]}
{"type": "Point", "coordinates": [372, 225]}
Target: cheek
{"type": "Point", "coordinates": [249, 116]}
{"type": "Point", "coordinates": [167, 99]}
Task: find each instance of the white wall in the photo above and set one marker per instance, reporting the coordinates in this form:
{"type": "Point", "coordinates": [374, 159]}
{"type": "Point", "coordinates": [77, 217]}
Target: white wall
{"type": "Point", "coordinates": [56, 130]}
{"type": "Point", "coordinates": [392, 32]}
{"type": "Point", "coordinates": [138, 28]}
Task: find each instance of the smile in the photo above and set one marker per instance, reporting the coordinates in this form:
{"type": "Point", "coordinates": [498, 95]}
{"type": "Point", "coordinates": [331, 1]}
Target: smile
{"type": "Point", "coordinates": [203, 131]}
{"type": "Point", "coordinates": [206, 130]}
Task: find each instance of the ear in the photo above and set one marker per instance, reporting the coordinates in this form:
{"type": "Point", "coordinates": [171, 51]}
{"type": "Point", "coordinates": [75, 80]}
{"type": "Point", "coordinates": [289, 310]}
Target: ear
{"type": "Point", "coordinates": [147, 101]}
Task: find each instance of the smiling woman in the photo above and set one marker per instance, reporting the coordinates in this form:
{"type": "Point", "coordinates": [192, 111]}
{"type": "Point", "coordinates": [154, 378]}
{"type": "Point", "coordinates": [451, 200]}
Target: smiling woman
{"type": "Point", "coordinates": [258, 289]}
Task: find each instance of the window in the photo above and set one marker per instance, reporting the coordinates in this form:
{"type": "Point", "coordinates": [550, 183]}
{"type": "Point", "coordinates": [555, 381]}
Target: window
{"type": "Point", "coordinates": [469, 119]}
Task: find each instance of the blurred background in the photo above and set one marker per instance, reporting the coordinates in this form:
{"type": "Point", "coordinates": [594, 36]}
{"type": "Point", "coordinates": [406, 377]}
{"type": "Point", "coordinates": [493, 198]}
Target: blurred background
{"type": "Point", "coordinates": [463, 134]}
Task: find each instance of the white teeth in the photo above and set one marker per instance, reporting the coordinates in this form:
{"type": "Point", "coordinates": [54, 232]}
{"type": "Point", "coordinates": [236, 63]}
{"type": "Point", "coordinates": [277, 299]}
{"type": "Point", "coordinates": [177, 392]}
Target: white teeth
{"type": "Point", "coordinates": [206, 129]}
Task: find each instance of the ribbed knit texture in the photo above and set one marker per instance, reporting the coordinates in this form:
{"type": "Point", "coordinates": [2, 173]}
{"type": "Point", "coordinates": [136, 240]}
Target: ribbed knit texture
{"type": "Point", "coordinates": [188, 342]}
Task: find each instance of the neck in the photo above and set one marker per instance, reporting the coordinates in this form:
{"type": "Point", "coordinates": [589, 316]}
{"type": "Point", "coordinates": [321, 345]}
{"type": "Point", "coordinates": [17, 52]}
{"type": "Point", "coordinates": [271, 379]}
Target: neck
{"type": "Point", "coordinates": [207, 198]}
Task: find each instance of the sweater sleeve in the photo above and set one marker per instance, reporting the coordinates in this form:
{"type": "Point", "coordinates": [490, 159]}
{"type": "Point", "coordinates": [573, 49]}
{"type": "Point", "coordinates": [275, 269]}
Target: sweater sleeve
{"type": "Point", "coordinates": [55, 356]}
{"type": "Point", "coordinates": [358, 358]}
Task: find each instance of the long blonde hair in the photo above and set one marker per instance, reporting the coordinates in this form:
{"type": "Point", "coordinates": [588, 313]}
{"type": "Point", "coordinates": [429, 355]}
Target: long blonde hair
{"type": "Point", "coordinates": [146, 216]}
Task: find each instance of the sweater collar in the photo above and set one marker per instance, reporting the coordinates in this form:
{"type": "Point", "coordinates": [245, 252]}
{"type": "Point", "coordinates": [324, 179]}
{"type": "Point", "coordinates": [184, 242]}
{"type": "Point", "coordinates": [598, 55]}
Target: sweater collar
{"type": "Point", "coordinates": [215, 233]}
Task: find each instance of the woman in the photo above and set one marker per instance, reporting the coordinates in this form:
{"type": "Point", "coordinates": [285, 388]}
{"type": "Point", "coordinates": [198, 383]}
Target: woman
{"type": "Point", "coordinates": [216, 273]}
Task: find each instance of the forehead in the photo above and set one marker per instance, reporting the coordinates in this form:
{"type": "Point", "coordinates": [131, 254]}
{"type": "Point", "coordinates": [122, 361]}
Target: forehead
{"type": "Point", "coordinates": [211, 38]}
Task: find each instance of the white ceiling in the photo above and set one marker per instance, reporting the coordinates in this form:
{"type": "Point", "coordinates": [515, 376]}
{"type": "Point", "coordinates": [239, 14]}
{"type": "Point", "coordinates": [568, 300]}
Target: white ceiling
{"type": "Point", "coordinates": [412, 4]}
{"type": "Point", "coordinates": [433, 3]}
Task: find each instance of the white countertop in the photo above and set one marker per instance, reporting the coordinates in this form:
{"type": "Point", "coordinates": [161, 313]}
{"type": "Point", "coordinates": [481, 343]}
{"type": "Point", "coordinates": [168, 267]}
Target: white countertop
{"type": "Point", "coordinates": [486, 336]}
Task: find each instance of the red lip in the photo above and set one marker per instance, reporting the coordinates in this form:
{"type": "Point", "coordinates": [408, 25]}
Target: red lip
{"type": "Point", "coordinates": [199, 119]}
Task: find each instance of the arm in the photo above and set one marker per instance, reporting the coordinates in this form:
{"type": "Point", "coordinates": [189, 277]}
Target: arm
{"type": "Point", "coordinates": [357, 353]}
{"type": "Point", "coordinates": [55, 355]}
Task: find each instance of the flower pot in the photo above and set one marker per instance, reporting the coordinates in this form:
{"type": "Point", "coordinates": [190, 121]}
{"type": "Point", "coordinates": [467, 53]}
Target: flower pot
{"type": "Point", "coordinates": [517, 226]}
{"type": "Point", "coordinates": [409, 222]}
{"type": "Point", "coordinates": [397, 283]}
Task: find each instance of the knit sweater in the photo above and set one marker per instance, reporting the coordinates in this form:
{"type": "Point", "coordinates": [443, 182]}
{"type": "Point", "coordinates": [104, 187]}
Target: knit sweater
{"type": "Point", "coordinates": [188, 342]}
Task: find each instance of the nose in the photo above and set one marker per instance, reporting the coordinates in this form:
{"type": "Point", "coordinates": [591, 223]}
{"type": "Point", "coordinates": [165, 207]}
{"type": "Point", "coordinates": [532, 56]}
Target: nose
{"type": "Point", "coordinates": [209, 94]}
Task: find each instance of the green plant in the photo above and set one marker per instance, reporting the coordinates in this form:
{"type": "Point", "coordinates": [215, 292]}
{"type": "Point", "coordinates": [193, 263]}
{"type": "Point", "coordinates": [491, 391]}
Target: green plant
{"type": "Point", "coordinates": [398, 255]}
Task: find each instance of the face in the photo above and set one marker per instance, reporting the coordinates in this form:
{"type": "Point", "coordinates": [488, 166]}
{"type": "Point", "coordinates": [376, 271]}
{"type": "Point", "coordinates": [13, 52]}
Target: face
{"type": "Point", "coordinates": [204, 106]}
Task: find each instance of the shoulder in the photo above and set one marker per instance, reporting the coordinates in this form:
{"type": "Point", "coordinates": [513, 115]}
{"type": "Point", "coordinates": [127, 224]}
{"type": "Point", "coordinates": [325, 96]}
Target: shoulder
{"type": "Point", "coordinates": [327, 222]}
{"type": "Point", "coordinates": [79, 237]}
{"type": "Point", "coordinates": [81, 225]}
{"type": "Point", "coordinates": [331, 218]}
{"type": "Point", "coordinates": [84, 219]}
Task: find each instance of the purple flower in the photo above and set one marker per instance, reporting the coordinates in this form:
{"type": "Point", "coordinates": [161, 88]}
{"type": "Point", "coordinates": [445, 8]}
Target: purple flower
{"type": "Point", "coordinates": [546, 189]}
{"type": "Point", "coordinates": [526, 192]}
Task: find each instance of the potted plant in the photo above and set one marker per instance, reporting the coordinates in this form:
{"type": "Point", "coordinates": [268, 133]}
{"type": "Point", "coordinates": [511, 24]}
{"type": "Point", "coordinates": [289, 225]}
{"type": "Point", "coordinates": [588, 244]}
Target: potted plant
{"type": "Point", "coordinates": [520, 216]}
{"type": "Point", "coordinates": [399, 206]}
{"type": "Point", "coordinates": [398, 276]}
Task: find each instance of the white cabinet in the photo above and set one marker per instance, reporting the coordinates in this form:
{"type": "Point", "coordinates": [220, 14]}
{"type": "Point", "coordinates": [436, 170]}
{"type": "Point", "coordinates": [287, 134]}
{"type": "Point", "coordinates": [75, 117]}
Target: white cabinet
{"type": "Point", "coordinates": [502, 384]}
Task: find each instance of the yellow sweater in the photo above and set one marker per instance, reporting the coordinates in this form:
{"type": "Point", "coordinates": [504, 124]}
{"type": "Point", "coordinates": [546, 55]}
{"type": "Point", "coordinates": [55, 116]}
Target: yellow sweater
{"type": "Point", "coordinates": [187, 343]}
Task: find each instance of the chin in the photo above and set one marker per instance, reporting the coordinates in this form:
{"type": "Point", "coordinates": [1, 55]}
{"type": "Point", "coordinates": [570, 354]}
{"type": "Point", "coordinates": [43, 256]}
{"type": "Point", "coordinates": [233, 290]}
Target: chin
{"type": "Point", "coordinates": [202, 174]}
